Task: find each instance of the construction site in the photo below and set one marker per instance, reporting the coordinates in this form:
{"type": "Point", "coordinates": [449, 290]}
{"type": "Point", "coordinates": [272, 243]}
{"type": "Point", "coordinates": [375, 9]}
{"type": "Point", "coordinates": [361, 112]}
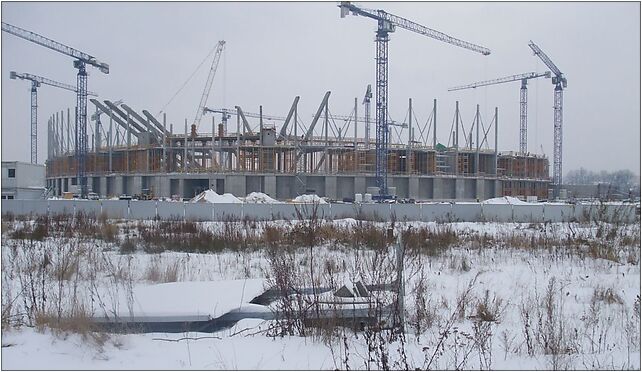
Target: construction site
{"type": "Point", "coordinates": [142, 155]}
{"type": "Point", "coordinates": [111, 149]}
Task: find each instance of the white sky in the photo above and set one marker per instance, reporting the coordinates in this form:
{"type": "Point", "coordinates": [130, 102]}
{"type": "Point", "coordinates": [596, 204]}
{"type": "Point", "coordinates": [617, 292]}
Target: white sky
{"type": "Point", "coordinates": [276, 51]}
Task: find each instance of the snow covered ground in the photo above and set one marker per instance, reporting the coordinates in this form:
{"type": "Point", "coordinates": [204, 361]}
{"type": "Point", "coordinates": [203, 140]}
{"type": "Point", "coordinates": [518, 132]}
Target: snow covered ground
{"type": "Point", "coordinates": [544, 298]}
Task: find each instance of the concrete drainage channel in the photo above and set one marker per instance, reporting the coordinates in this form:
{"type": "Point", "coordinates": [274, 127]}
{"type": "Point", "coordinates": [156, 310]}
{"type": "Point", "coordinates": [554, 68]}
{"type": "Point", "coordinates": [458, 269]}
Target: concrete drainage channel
{"type": "Point", "coordinates": [346, 316]}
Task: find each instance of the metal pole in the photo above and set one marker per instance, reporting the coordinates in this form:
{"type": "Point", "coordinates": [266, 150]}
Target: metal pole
{"type": "Point", "coordinates": [434, 119]}
{"type": "Point", "coordinates": [164, 159]}
{"type": "Point", "coordinates": [356, 163]}
{"type": "Point", "coordinates": [111, 139]}
{"type": "Point", "coordinates": [456, 137]}
{"type": "Point", "coordinates": [327, 168]}
{"type": "Point", "coordinates": [238, 138]}
{"type": "Point", "coordinates": [496, 126]}
{"type": "Point", "coordinates": [129, 142]}
{"type": "Point", "coordinates": [185, 149]}
{"type": "Point", "coordinates": [409, 152]}
{"type": "Point", "coordinates": [477, 142]}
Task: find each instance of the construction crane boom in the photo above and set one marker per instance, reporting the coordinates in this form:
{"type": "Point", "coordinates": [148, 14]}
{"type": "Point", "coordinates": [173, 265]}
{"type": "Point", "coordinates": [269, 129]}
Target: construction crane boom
{"type": "Point", "coordinates": [547, 61]}
{"type": "Point", "coordinates": [36, 81]}
{"type": "Point", "coordinates": [523, 99]}
{"type": "Point", "coordinates": [386, 24]}
{"type": "Point", "coordinates": [39, 80]}
{"type": "Point", "coordinates": [507, 79]}
{"type": "Point", "coordinates": [208, 83]}
{"type": "Point", "coordinates": [81, 59]}
{"type": "Point", "coordinates": [559, 80]}
{"type": "Point", "coordinates": [54, 45]}
{"type": "Point", "coordinates": [381, 15]}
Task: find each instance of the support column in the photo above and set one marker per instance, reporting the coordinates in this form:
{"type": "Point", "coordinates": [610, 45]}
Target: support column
{"type": "Point", "coordinates": [235, 185]}
{"type": "Point", "coordinates": [460, 188]}
{"type": "Point", "coordinates": [136, 185]}
{"type": "Point", "coordinates": [359, 185]}
{"type": "Point", "coordinates": [102, 186]}
{"type": "Point", "coordinates": [117, 184]}
{"type": "Point", "coordinates": [331, 187]}
{"type": "Point", "coordinates": [269, 185]}
{"type": "Point", "coordinates": [413, 187]}
{"type": "Point", "coordinates": [479, 189]}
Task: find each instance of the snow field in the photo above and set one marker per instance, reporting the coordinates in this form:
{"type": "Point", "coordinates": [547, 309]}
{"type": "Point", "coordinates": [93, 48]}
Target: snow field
{"type": "Point", "coordinates": [598, 333]}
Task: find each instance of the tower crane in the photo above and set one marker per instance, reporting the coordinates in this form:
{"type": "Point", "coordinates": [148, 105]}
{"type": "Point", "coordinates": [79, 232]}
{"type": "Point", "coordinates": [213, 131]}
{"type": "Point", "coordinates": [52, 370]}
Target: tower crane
{"type": "Point", "coordinates": [559, 80]}
{"type": "Point", "coordinates": [523, 99]}
{"type": "Point", "coordinates": [36, 81]}
{"type": "Point", "coordinates": [208, 84]}
{"type": "Point", "coordinates": [386, 24]}
{"type": "Point", "coordinates": [81, 59]}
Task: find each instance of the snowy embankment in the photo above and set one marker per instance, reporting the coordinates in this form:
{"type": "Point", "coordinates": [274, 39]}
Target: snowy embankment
{"type": "Point", "coordinates": [594, 305]}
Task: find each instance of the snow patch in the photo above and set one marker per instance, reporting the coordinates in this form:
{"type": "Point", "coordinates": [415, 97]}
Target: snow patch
{"type": "Point", "coordinates": [313, 198]}
{"type": "Point", "coordinates": [260, 198]}
{"type": "Point", "coordinates": [506, 200]}
{"type": "Point", "coordinates": [210, 196]}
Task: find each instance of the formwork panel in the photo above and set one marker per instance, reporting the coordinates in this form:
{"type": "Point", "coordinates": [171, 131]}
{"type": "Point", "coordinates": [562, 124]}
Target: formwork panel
{"type": "Point", "coordinates": [583, 212]}
{"type": "Point", "coordinates": [374, 212]}
{"type": "Point", "coordinates": [61, 206]}
{"type": "Point", "coordinates": [227, 211]}
{"type": "Point", "coordinates": [115, 208]}
{"type": "Point", "coordinates": [168, 210]}
{"type": "Point", "coordinates": [340, 211]}
{"type": "Point", "coordinates": [466, 212]}
{"type": "Point", "coordinates": [259, 212]}
{"type": "Point", "coordinates": [436, 212]}
{"type": "Point", "coordinates": [12, 206]}
{"type": "Point", "coordinates": [142, 209]}
{"type": "Point", "coordinates": [88, 207]}
{"type": "Point", "coordinates": [284, 211]}
{"type": "Point", "coordinates": [497, 212]}
{"type": "Point", "coordinates": [406, 212]}
{"type": "Point", "coordinates": [198, 211]}
{"type": "Point", "coordinates": [528, 213]}
{"type": "Point", "coordinates": [557, 212]}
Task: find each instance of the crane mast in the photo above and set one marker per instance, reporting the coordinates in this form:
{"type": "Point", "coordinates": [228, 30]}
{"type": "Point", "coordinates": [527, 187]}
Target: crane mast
{"type": "Point", "coordinates": [523, 99]}
{"type": "Point", "coordinates": [386, 24]}
{"type": "Point", "coordinates": [559, 80]}
{"type": "Point", "coordinates": [208, 84]}
{"type": "Point", "coordinates": [81, 59]}
{"type": "Point", "coordinates": [36, 81]}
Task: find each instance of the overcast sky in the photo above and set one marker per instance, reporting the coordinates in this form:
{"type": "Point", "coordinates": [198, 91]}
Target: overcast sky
{"type": "Point", "coordinates": [276, 51]}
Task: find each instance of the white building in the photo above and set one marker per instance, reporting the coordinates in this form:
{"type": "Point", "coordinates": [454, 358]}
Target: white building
{"type": "Point", "coordinates": [22, 180]}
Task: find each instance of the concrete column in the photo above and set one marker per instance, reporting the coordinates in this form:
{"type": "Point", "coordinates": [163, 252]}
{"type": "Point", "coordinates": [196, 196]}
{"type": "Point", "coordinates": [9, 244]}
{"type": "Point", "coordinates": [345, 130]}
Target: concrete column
{"type": "Point", "coordinates": [161, 186]}
{"type": "Point", "coordinates": [437, 188]}
{"type": "Point", "coordinates": [331, 187]}
{"type": "Point", "coordinates": [102, 186]}
{"type": "Point", "coordinates": [359, 185]}
{"type": "Point", "coordinates": [181, 187]}
{"type": "Point", "coordinates": [479, 189]}
{"type": "Point", "coordinates": [269, 185]}
{"type": "Point", "coordinates": [460, 188]}
{"type": "Point", "coordinates": [235, 185]}
{"type": "Point", "coordinates": [413, 187]}
{"type": "Point", "coordinates": [498, 188]}
{"type": "Point", "coordinates": [136, 185]}
{"type": "Point", "coordinates": [117, 185]}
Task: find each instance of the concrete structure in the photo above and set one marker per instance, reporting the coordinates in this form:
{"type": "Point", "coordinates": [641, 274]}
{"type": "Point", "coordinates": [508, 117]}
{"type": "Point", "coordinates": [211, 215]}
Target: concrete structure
{"type": "Point", "coordinates": [22, 180]}
{"type": "Point", "coordinates": [133, 155]}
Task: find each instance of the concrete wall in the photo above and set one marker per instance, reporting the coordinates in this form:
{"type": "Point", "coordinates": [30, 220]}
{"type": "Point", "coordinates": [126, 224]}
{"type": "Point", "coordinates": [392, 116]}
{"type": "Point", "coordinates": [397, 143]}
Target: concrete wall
{"type": "Point", "coordinates": [464, 212]}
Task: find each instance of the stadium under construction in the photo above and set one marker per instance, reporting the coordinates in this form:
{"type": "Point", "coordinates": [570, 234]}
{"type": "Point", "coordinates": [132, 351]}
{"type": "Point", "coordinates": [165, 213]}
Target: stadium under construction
{"type": "Point", "coordinates": [136, 153]}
